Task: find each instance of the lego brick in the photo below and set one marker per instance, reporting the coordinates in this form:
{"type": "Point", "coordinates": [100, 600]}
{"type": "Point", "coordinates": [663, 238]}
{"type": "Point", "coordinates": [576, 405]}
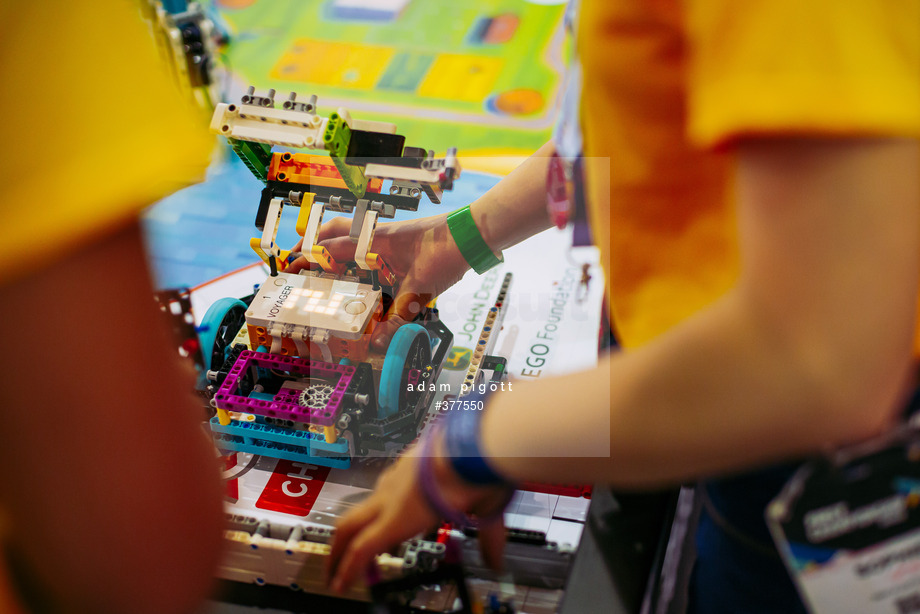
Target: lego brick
{"type": "Point", "coordinates": [264, 432]}
{"type": "Point", "coordinates": [256, 244]}
{"type": "Point", "coordinates": [365, 238]}
{"type": "Point", "coordinates": [487, 339]}
{"type": "Point", "coordinates": [238, 522]}
{"type": "Point", "coordinates": [287, 128]}
{"type": "Point", "coordinates": [357, 220]}
{"type": "Point", "coordinates": [368, 125]}
{"type": "Point", "coordinates": [337, 135]}
{"type": "Point", "coordinates": [385, 274]}
{"type": "Point", "coordinates": [303, 216]}
{"type": "Point", "coordinates": [403, 173]}
{"type": "Point", "coordinates": [529, 565]}
{"type": "Point", "coordinates": [353, 176]}
{"type": "Point", "coordinates": [337, 138]}
{"type": "Point", "coordinates": [294, 305]}
{"type": "Point", "coordinates": [320, 447]}
{"type": "Point", "coordinates": [311, 170]}
{"type": "Point", "coordinates": [256, 156]}
{"type": "Point", "coordinates": [225, 441]}
{"type": "Point", "coordinates": [186, 36]}
{"type": "Point", "coordinates": [293, 103]}
{"type": "Point", "coordinates": [270, 231]}
{"type": "Point", "coordinates": [285, 404]}
{"type": "Point", "coordinates": [296, 564]}
{"type": "Point", "coordinates": [336, 199]}
{"type": "Point", "coordinates": [279, 450]}
{"type": "Point", "coordinates": [197, 60]}
{"type": "Point", "coordinates": [376, 147]}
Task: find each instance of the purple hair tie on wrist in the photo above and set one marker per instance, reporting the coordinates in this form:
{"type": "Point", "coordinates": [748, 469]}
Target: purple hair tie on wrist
{"type": "Point", "coordinates": [432, 493]}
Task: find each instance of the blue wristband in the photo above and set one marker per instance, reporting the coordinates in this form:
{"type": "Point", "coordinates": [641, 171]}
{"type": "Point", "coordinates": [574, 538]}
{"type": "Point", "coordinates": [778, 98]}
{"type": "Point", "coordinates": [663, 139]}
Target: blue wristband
{"type": "Point", "coordinates": [462, 437]}
{"type": "Point", "coordinates": [435, 500]}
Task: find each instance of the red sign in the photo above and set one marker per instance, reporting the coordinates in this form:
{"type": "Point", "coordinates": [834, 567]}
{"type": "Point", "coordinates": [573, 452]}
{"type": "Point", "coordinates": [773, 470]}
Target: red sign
{"type": "Point", "coordinates": [293, 488]}
{"type": "Point", "coordinates": [233, 486]}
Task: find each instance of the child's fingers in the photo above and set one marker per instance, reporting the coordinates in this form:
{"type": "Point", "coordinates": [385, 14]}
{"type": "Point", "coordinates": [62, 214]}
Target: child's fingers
{"type": "Point", "coordinates": [405, 308]}
{"type": "Point", "coordinates": [350, 525]}
{"type": "Point", "coordinates": [360, 552]}
{"type": "Point", "coordinates": [340, 248]}
{"type": "Point", "coordinates": [492, 544]}
{"type": "Point", "coordinates": [336, 227]}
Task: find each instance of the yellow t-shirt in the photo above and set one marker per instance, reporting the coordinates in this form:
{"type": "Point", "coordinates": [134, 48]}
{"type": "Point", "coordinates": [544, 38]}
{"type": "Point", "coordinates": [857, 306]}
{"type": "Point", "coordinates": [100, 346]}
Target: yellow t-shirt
{"type": "Point", "coordinates": [670, 84]}
{"type": "Point", "coordinates": [93, 127]}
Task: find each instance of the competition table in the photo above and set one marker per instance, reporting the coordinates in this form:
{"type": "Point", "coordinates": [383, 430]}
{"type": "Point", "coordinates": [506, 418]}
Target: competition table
{"type": "Point", "coordinates": [198, 238]}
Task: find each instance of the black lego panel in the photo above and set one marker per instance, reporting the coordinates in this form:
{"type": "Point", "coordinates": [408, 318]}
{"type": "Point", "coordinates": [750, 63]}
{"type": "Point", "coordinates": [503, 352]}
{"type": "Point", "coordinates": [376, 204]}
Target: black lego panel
{"type": "Point", "coordinates": [280, 189]}
{"type": "Point", "coordinates": [376, 147]}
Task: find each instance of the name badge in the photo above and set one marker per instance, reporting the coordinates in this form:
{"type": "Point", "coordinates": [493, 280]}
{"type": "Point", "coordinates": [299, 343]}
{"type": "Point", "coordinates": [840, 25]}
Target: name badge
{"type": "Point", "coordinates": [848, 527]}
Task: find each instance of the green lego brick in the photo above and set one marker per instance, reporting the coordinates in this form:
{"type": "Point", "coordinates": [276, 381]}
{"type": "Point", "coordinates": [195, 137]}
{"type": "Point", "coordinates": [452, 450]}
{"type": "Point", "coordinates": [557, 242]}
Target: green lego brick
{"type": "Point", "coordinates": [256, 157]}
{"type": "Point", "coordinates": [353, 176]}
{"type": "Point", "coordinates": [337, 137]}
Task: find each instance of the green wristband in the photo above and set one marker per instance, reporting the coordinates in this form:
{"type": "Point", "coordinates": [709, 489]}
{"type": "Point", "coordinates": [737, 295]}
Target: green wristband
{"type": "Point", "coordinates": [470, 242]}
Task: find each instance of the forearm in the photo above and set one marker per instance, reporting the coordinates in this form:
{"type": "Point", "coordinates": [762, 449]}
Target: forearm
{"type": "Point", "coordinates": [717, 395]}
{"type": "Point", "coordinates": [812, 348]}
{"type": "Point", "coordinates": [516, 207]}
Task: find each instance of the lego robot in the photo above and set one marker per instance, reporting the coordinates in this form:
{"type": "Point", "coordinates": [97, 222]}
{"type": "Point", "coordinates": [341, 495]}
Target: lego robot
{"type": "Point", "coordinates": [291, 373]}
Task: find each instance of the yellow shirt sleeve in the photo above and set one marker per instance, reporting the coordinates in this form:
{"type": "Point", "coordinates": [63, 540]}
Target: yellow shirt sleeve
{"type": "Point", "coordinates": [94, 127]}
{"type": "Point", "coordinates": [828, 67]}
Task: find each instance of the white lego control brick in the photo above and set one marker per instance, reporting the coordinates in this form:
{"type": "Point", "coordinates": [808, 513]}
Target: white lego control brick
{"type": "Point", "coordinates": [307, 303]}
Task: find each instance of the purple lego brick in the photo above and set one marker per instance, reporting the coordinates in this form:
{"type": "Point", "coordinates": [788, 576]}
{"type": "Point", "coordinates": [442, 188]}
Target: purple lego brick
{"type": "Point", "coordinates": [286, 404]}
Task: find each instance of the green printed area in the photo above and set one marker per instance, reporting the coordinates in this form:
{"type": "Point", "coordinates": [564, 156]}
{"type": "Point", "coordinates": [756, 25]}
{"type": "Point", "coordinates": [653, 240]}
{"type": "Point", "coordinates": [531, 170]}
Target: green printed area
{"type": "Point", "coordinates": [478, 75]}
{"type": "Point", "coordinates": [405, 71]}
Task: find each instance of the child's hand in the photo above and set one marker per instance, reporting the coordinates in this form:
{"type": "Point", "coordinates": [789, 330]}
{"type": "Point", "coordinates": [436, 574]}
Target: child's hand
{"type": "Point", "coordinates": [421, 253]}
{"type": "Point", "coordinates": [397, 511]}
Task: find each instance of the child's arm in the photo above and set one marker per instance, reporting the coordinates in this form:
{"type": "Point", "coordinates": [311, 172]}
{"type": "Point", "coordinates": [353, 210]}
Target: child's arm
{"type": "Point", "coordinates": [812, 348]}
{"type": "Point", "coordinates": [111, 487]}
{"type": "Point", "coordinates": [423, 253]}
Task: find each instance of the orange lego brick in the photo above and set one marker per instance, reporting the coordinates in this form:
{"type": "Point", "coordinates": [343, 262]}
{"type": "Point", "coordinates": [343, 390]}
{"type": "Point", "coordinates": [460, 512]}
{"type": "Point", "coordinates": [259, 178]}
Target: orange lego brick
{"type": "Point", "coordinates": [385, 273]}
{"type": "Point", "coordinates": [312, 170]}
{"type": "Point", "coordinates": [326, 261]}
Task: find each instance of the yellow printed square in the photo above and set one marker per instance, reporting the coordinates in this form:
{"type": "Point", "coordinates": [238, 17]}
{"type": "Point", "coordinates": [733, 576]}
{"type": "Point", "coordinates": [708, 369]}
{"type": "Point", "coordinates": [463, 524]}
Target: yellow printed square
{"type": "Point", "coordinates": [333, 63]}
{"type": "Point", "coordinates": [469, 78]}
